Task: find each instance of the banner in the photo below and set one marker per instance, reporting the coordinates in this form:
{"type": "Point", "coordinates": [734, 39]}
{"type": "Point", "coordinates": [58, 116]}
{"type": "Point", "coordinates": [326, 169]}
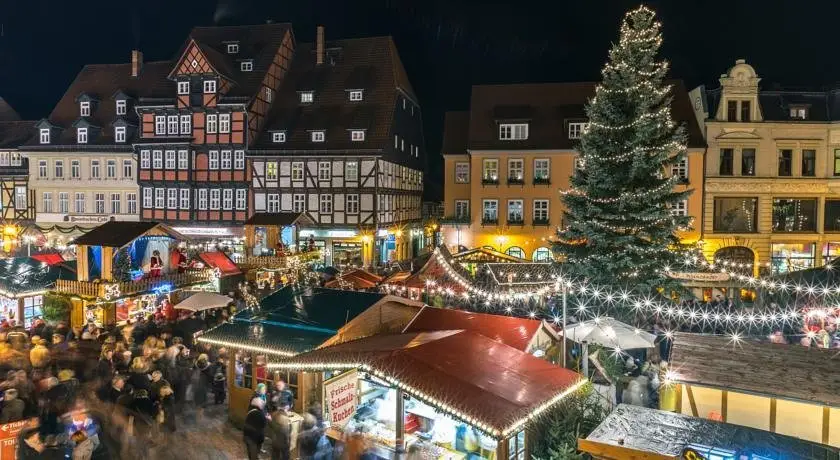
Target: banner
{"type": "Point", "coordinates": [9, 433]}
{"type": "Point", "coordinates": [340, 398]}
{"type": "Point", "coordinates": [697, 276]}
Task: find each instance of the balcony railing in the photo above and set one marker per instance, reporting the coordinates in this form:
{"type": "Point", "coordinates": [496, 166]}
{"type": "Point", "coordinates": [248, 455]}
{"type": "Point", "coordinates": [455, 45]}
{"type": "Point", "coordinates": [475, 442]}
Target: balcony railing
{"type": "Point", "coordinates": [111, 290]}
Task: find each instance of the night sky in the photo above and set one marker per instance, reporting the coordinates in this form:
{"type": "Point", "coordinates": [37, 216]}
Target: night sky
{"type": "Point", "coordinates": [446, 45]}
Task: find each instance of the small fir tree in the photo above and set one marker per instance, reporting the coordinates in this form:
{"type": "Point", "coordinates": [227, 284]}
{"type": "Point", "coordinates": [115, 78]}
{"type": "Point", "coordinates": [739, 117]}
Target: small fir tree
{"type": "Point", "coordinates": [620, 226]}
{"type": "Point", "coordinates": [122, 266]}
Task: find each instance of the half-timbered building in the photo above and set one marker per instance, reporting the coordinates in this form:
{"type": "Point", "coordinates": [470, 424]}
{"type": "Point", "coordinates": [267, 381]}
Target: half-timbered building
{"type": "Point", "coordinates": [191, 150]}
{"type": "Point", "coordinates": [344, 145]}
{"type": "Point", "coordinates": [16, 199]}
{"type": "Point", "coordinates": [81, 161]}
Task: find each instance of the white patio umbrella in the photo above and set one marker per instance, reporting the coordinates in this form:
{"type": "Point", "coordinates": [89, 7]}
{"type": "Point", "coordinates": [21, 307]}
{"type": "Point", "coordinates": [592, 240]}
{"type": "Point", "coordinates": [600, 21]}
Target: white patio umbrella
{"type": "Point", "coordinates": [611, 333]}
{"type": "Point", "coordinates": [201, 301]}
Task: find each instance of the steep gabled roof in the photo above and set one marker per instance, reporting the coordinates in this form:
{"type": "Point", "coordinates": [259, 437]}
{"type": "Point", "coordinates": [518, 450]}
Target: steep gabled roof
{"type": "Point", "coordinates": [7, 113]}
{"type": "Point", "coordinates": [117, 234]}
{"type": "Point", "coordinates": [15, 133]}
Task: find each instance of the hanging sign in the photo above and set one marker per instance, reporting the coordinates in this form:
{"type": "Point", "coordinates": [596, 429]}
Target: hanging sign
{"type": "Point", "coordinates": [9, 433]}
{"type": "Point", "coordinates": [340, 398]}
{"type": "Point", "coordinates": [698, 276]}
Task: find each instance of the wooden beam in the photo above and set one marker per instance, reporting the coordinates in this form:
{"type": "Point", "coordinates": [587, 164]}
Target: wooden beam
{"type": "Point", "coordinates": [609, 451]}
{"type": "Point", "coordinates": [691, 400]}
{"type": "Point", "coordinates": [679, 398]}
{"type": "Point", "coordinates": [825, 424]}
{"type": "Point", "coordinates": [772, 415]}
{"type": "Point", "coordinates": [724, 403]}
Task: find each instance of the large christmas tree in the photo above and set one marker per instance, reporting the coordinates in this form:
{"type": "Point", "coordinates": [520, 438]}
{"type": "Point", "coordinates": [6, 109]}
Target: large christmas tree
{"type": "Point", "coordinates": [620, 227]}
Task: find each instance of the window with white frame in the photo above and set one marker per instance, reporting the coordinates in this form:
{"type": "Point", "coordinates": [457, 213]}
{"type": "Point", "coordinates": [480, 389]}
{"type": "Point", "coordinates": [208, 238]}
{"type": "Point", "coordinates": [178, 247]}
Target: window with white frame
{"type": "Point", "coordinates": [269, 95]}
{"type": "Point", "coordinates": [352, 203]}
{"type": "Point", "coordinates": [226, 159]}
{"type": "Point", "coordinates": [680, 169]}
{"type": "Point", "coordinates": [212, 123]}
{"type": "Point", "coordinates": [215, 198]}
{"type": "Point", "coordinates": [577, 129]}
{"type": "Point", "coordinates": [128, 169]}
{"type": "Point", "coordinates": [209, 86]}
{"type": "Point", "coordinates": [94, 169]}
{"type": "Point", "coordinates": [214, 159]}
{"type": "Point", "coordinates": [516, 446]}
{"type": "Point", "coordinates": [75, 169]}
{"type": "Point", "coordinates": [298, 202]}
{"type": "Point", "coordinates": [490, 211]}
{"type": "Point", "coordinates": [59, 169]}
{"type": "Point", "coordinates": [111, 169]}
{"type": "Point", "coordinates": [356, 95]}
{"type": "Point", "coordinates": [680, 208]}
{"type": "Point", "coordinates": [46, 202]}
{"type": "Point", "coordinates": [241, 199]}
{"type": "Point", "coordinates": [160, 198]}
{"type": "Point", "coordinates": [84, 109]}
{"type": "Point", "coordinates": [131, 203]}
{"type": "Point", "coordinates": [20, 197]}
{"type": "Point", "coordinates": [318, 136]}
{"type": "Point", "coordinates": [278, 137]}
{"type": "Point", "coordinates": [160, 124]}
{"type": "Point", "coordinates": [515, 211]}
{"type": "Point", "coordinates": [326, 202]}
{"type": "Point", "coordinates": [232, 48]}
{"type": "Point", "coordinates": [246, 66]}
{"type": "Point", "coordinates": [99, 203]}
{"type": "Point", "coordinates": [63, 202]}
{"type": "Point", "coordinates": [121, 106]}
{"type": "Point", "coordinates": [16, 159]}
{"type": "Point", "coordinates": [490, 170]}
{"type": "Point", "coordinates": [42, 169]}
{"type": "Point", "coordinates": [239, 159]}
{"type": "Point", "coordinates": [224, 122]}
{"type": "Point", "coordinates": [271, 170]}
{"type": "Point", "coordinates": [202, 199]}
{"type": "Point", "coordinates": [273, 202]}
{"type": "Point", "coordinates": [145, 159]}
{"type": "Point", "coordinates": [172, 198]}
{"type": "Point", "coordinates": [147, 197]}
{"type": "Point", "coordinates": [184, 198]}
{"type": "Point", "coordinates": [79, 206]}
{"type": "Point", "coordinates": [462, 209]}
{"type": "Point", "coordinates": [119, 134]}
{"type": "Point", "coordinates": [186, 124]}
{"type": "Point", "coordinates": [516, 170]}
{"type": "Point", "coordinates": [172, 124]}
{"type": "Point", "coordinates": [324, 170]}
{"type": "Point", "coordinates": [170, 159]}
{"type": "Point", "coordinates": [44, 136]}
{"type": "Point", "coordinates": [542, 170]}
{"type": "Point", "coordinates": [351, 171]}
{"type": "Point", "coordinates": [116, 203]}
{"type": "Point", "coordinates": [357, 135]}
{"type": "Point", "coordinates": [183, 87]}
{"type": "Point", "coordinates": [307, 97]}
{"type": "Point", "coordinates": [157, 159]}
{"type": "Point", "coordinates": [82, 135]}
{"type": "Point", "coordinates": [462, 173]}
{"type": "Point", "coordinates": [183, 159]}
{"type": "Point", "coordinates": [227, 199]}
{"type": "Point", "coordinates": [540, 211]}
{"type": "Point", "coordinates": [513, 131]}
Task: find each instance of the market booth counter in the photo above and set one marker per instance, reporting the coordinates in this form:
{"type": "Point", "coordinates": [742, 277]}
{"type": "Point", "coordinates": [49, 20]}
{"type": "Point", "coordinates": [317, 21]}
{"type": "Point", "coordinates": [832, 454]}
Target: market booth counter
{"type": "Point", "coordinates": [449, 394]}
{"type": "Point", "coordinates": [633, 432]}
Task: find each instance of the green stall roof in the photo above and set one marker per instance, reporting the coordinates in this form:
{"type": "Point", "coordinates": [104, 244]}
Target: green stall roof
{"type": "Point", "coordinates": [22, 275]}
{"type": "Point", "coordinates": [270, 339]}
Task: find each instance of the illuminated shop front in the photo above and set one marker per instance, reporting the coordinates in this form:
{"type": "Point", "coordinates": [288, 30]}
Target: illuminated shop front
{"type": "Point", "coordinates": [790, 257]}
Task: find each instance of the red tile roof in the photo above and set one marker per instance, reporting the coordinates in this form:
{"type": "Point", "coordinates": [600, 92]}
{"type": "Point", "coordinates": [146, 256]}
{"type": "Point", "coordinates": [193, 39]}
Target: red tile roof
{"type": "Point", "coordinates": [220, 260]}
{"type": "Point", "coordinates": [511, 331]}
{"type": "Point", "coordinates": [49, 258]}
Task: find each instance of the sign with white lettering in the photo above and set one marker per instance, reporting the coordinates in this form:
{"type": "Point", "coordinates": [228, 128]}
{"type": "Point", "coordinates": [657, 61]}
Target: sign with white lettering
{"type": "Point", "coordinates": [697, 276]}
{"type": "Point", "coordinates": [88, 219]}
{"type": "Point", "coordinates": [9, 437]}
{"type": "Point", "coordinates": [340, 398]}
{"type": "Point", "coordinates": [204, 231]}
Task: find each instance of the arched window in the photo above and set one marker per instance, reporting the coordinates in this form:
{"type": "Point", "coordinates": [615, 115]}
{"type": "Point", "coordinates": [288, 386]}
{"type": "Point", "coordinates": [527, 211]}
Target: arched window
{"type": "Point", "coordinates": [542, 255]}
{"type": "Point", "coordinates": [736, 258]}
{"type": "Point", "coordinates": [515, 251]}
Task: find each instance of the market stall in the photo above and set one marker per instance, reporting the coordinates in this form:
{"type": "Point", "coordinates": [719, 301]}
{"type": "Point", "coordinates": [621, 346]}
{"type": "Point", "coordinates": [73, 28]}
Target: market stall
{"type": "Point", "coordinates": [632, 432]}
{"type": "Point", "coordinates": [449, 394]}
{"type": "Point", "coordinates": [23, 283]}
{"type": "Point", "coordinates": [202, 301]}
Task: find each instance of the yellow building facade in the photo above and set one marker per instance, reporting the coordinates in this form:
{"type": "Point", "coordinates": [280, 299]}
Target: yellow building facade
{"type": "Point", "coordinates": [772, 177]}
{"type": "Point", "coordinates": [507, 159]}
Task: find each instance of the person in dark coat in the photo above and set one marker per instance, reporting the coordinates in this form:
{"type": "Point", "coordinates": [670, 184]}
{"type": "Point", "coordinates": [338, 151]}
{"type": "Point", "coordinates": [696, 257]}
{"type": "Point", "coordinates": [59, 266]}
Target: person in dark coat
{"type": "Point", "coordinates": [144, 413]}
{"type": "Point", "coordinates": [312, 444]}
{"type": "Point", "coordinates": [166, 409]}
{"type": "Point", "coordinates": [113, 391]}
{"type": "Point", "coordinates": [280, 431]}
{"type": "Point", "coordinates": [254, 430]}
{"type": "Point", "coordinates": [219, 387]}
{"type": "Point", "coordinates": [138, 376]}
{"type": "Point", "coordinates": [31, 447]}
{"type": "Point", "coordinates": [156, 384]}
{"type": "Point", "coordinates": [12, 407]}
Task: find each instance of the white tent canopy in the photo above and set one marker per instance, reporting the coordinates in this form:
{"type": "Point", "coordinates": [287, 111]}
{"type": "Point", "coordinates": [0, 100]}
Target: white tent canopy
{"type": "Point", "coordinates": [611, 333]}
{"type": "Point", "coordinates": [201, 301]}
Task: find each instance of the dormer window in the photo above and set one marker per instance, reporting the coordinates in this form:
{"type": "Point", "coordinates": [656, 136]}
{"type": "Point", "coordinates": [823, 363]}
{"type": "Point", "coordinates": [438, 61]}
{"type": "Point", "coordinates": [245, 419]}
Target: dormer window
{"type": "Point", "coordinates": [121, 106]}
{"type": "Point", "coordinates": [119, 134]}
{"type": "Point", "coordinates": [318, 136]}
{"type": "Point", "coordinates": [246, 66]}
{"type": "Point", "coordinates": [513, 131]}
{"type": "Point", "coordinates": [799, 113]}
{"type": "Point", "coordinates": [232, 48]}
{"type": "Point", "coordinates": [307, 97]}
{"type": "Point", "coordinates": [577, 129]}
{"type": "Point", "coordinates": [183, 87]}
{"type": "Point", "coordinates": [278, 137]}
{"type": "Point", "coordinates": [84, 108]}
{"type": "Point", "coordinates": [209, 86]}
{"type": "Point", "coordinates": [356, 95]}
{"type": "Point", "coordinates": [81, 135]}
{"type": "Point", "coordinates": [357, 135]}
{"type": "Point", "coordinates": [44, 135]}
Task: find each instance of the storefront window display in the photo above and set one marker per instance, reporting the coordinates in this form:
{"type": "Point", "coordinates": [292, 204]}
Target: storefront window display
{"type": "Point", "coordinates": [346, 254]}
{"type": "Point", "coordinates": [830, 251]}
{"type": "Point", "coordinates": [32, 308]}
{"type": "Point", "coordinates": [788, 257]}
{"type": "Point", "coordinates": [137, 306]}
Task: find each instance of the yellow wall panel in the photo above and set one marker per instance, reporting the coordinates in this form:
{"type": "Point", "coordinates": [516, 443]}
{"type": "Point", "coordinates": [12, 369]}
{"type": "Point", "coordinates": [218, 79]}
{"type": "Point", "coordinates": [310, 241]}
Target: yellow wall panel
{"type": "Point", "coordinates": [800, 420]}
{"type": "Point", "coordinates": [748, 410]}
{"type": "Point", "coordinates": [707, 400]}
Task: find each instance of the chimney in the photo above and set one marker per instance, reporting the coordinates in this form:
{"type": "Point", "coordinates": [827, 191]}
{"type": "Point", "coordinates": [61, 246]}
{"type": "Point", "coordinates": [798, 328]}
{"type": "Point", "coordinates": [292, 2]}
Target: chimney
{"type": "Point", "coordinates": [136, 62]}
{"type": "Point", "coordinates": [319, 46]}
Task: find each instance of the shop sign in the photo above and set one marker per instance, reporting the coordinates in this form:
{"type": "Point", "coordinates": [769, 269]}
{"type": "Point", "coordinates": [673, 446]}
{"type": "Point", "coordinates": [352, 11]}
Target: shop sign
{"type": "Point", "coordinates": [697, 276]}
{"type": "Point", "coordinates": [328, 233]}
{"type": "Point", "coordinates": [89, 219]}
{"type": "Point", "coordinates": [9, 433]}
{"type": "Point", "coordinates": [204, 231]}
{"type": "Point", "coordinates": [340, 398]}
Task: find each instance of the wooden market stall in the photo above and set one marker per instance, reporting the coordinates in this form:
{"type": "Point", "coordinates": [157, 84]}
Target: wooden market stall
{"type": "Point", "coordinates": [356, 278]}
{"type": "Point", "coordinates": [265, 231]}
{"type": "Point", "coordinates": [786, 389]}
{"type": "Point", "coordinates": [633, 432]}
{"type": "Point", "coordinates": [449, 394]}
{"type": "Point", "coordinates": [23, 283]}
